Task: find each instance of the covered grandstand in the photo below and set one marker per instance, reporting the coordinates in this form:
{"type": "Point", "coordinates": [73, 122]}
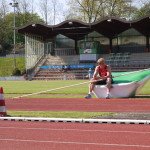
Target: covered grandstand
{"type": "Point", "coordinates": [119, 41]}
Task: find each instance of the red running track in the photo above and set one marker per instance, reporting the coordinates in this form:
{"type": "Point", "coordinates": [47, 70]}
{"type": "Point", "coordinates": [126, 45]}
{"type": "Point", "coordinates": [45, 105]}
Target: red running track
{"type": "Point", "coordinates": [73, 136]}
{"type": "Point", "coordinates": [76, 104]}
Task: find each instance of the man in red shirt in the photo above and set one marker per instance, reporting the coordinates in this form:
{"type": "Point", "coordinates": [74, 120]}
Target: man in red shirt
{"type": "Point", "coordinates": [101, 76]}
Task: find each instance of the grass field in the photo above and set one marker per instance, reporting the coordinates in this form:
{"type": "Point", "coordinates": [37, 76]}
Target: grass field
{"type": "Point", "coordinates": [58, 114]}
{"type": "Point", "coordinates": [19, 88]}
{"type": "Point", "coordinates": [14, 88]}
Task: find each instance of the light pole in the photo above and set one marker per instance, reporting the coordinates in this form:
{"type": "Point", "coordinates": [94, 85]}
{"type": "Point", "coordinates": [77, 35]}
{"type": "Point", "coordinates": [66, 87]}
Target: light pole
{"type": "Point", "coordinates": [14, 5]}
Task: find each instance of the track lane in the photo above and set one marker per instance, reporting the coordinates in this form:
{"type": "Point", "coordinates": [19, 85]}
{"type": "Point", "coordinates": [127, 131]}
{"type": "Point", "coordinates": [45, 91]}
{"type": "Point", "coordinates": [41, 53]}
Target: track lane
{"type": "Point", "coordinates": [76, 104]}
{"type": "Point", "coordinates": [66, 136]}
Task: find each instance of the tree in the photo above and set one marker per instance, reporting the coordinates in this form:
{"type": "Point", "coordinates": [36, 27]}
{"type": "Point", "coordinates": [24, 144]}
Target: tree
{"type": "Point", "coordinates": [51, 11]}
{"type": "Point", "coordinates": [3, 27]}
{"type": "Point", "coordinates": [92, 10]}
{"type": "Point", "coordinates": [3, 8]}
{"type": "Point", "coordinates": [44, 10]}
{"type": "Point", "coordinates": [24, 6]}
{"type": "Point", "coordinates": [54, 4]}
{"type": "Point", "coordinates": [143, 11]}
{"type": "Point", "coordinates": [6, 28]}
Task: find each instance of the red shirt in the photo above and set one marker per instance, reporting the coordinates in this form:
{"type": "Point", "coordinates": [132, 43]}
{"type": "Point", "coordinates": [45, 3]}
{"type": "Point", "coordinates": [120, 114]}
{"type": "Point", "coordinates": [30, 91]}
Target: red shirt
{"type": "Point", "coordinates": [102, 71]}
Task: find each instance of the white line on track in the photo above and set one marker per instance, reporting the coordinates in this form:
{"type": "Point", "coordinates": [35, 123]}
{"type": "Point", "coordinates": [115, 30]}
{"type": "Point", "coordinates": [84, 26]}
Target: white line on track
{"type": "Point", "coordinates": [78, 143]}
{"type": "Point", "coordinates": [80, 130]}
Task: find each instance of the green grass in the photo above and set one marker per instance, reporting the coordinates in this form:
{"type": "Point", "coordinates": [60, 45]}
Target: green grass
{"type": "Point", "coordinates": [62, 114]}
{"type": "Point", "coordinates": [28, 87]}
{"type": "Point", "coordinates": [7, 65]}
{"type": "Point", "coordinates": [19, 88]}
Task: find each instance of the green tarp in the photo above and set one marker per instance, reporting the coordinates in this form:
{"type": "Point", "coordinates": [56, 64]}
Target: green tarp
{"type": "Point", "coordinates": [126, 77]}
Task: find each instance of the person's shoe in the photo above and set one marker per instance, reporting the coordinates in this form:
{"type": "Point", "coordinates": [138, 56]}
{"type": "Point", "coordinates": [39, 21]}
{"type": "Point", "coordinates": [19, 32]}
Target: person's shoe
{"type": "Point", "coordinates": [88, 96]}
{"type": "Point", "coordinates": [108, 96]}
{"type": "Point", "coordinates": [111, 86]}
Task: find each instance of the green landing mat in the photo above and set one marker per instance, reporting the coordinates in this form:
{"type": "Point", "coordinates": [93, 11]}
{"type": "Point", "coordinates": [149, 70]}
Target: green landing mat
{"type": "Point", "coordinates": [134, 76]}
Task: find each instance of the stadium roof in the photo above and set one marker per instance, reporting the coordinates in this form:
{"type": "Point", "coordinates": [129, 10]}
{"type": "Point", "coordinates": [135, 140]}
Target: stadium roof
{"type": "Point", "coordinates": [142, 25]}
{"type": "Point", "coordinates": [76, 30]}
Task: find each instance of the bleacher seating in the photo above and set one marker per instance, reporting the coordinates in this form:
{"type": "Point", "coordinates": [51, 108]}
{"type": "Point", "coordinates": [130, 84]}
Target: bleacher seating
{"type": "Point", "coordinates": [62, 60]}
{"type": "Point", "coordinates": [129, 61]}
{"type": "Point", "coordinates": [117, 61]}
{"type": "Point", "coordinates": [59, 74]}
{"type": "Point", "coordinates": [52, 69]}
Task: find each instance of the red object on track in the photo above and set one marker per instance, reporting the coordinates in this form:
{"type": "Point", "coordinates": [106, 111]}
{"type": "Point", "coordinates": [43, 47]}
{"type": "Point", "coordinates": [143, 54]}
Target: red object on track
{"type": "Point", "coordinates": [2, 103]}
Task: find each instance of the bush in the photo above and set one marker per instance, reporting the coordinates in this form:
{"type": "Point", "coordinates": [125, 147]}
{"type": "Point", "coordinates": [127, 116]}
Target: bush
{"type": "Point", "coordinates": [7, 65]}
{"type": "Point", "coordinates": [16, 72]}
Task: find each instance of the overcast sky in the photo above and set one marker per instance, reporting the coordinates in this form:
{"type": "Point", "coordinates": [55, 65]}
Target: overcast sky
{"type": "Point", "coordinates": [62, 7]}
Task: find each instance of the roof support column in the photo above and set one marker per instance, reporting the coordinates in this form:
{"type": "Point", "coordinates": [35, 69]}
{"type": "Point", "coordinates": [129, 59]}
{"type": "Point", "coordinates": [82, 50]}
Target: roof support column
{"type": "Point", "coordinates": [147, 44]}
{"type": "Point", "coordinates": [53, 46]}
{"type": "Point", "coordinates": [110, 45]}
{"type": "Point", "coordinates": [76, 47]}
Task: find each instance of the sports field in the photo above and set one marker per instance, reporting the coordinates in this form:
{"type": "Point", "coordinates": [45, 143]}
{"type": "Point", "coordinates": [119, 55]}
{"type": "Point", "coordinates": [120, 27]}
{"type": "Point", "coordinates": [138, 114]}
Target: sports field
{"type": "Point", "coordinates": [62, 88]}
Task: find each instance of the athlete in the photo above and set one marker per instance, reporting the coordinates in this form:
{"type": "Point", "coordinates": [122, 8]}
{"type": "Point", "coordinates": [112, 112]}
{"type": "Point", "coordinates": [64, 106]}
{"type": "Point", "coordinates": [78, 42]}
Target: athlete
{"type": "Point", "coordinates": [101, 76]}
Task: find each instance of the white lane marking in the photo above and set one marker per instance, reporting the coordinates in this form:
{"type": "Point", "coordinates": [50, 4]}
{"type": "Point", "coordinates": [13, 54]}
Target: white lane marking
{"type": "Point", "coordinates": [78, 143]}
{"type": "Point", "coordinates": [80, 130]}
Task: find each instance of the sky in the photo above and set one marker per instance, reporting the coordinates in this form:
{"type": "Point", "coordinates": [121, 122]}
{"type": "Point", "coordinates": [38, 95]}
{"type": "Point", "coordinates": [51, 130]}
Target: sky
{"type": "Point", "coordinates": [139, 3]}
{"type": "Point", "coordinates": [61, 8]}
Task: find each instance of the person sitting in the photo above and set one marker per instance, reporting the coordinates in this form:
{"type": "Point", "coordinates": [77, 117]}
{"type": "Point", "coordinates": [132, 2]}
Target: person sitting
{"type": "Point", "coordinates": [102, 75]}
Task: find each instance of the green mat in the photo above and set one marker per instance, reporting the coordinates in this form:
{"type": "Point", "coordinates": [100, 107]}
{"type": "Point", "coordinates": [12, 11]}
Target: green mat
{"type": "Point", "coordinates": [126, 77]}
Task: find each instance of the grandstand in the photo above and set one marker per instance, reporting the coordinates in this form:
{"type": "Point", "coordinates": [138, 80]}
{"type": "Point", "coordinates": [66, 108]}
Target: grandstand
{"type": "Point", "coordinates": [118, 62]}
{"type": "Point", "coordinates": [129, 61]}
{"type": "Point", "coordinates": [125, 45]}
{"type": "Point", "coordinates": [53, 69]}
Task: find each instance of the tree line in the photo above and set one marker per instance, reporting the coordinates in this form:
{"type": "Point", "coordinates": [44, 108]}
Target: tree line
{"type": "Point", "coordinates": [53, 12]}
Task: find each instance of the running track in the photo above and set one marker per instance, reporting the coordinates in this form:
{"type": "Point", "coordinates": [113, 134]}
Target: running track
{"type": "Point", "coordinates": [15, 135]}
{"type": "Point", "coordinates": [76, 104]}
{"type": "Point", "coordinates": [69, 136]}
